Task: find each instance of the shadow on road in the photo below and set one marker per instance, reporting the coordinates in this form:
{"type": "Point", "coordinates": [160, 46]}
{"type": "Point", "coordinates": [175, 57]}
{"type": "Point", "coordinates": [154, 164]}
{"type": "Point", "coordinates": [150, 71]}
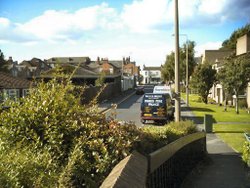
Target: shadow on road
{"type": "Point", "coordinates": [129, 102]}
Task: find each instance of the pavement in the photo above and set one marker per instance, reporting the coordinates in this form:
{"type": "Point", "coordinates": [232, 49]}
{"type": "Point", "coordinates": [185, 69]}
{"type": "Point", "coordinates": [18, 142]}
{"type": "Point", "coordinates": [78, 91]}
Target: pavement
{"type": "Point", "coordinates": [222, 168]}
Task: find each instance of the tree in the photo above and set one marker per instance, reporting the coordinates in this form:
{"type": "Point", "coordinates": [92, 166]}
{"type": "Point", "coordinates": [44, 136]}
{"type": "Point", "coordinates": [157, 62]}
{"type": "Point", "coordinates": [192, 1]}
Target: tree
{"type": "Point", "coordinates": [203, 79]}
{"type": "Point", "coordinates": [235, 75]}
{"type": "Point", "coordinates": [3, 63]}
{"type": "Point", "coordinates": [167, 70]}
{"type": "Point", "coordinates": [231, 42]}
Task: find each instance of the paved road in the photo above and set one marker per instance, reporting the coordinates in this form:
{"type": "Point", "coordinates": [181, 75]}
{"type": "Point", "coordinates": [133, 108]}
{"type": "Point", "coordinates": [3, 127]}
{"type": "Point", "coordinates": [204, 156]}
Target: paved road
{"type": "Point", "coordinates": [129, 110]}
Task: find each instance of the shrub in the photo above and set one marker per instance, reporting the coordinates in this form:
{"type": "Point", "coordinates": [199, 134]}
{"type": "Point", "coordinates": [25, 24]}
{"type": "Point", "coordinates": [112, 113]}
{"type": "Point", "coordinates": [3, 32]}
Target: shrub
{"type": "Point", "coordinates": [51, 127]}
{"type": "Point", "coordinates": [246, 153]}
{"type": "Point", "coordinates": [154, 138]}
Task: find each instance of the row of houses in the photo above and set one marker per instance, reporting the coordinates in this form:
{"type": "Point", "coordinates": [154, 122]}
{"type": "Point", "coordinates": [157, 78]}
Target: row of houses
{"type": "Point", "coordinates": [20, 75]}
{"type": "Point", "coordinates": [217, 58]}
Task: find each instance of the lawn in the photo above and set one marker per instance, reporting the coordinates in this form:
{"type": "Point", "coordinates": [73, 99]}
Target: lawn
{"type": "Point", "coordinates": [232, 134]}
{"type": "Point", "coordinates": [219, 115]}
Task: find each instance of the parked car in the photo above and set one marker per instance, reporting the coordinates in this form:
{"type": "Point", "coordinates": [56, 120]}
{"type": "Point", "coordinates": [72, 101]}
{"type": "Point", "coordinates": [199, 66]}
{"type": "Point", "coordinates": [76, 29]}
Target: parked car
{"type": "Point", "coordinates": [139, 90]}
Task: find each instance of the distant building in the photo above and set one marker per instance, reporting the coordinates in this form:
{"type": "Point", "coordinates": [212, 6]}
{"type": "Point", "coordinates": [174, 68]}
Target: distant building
{"type": "Point", "coordinates": [151, 75]}
{"type": "Point", "coordinates": [13, 87]}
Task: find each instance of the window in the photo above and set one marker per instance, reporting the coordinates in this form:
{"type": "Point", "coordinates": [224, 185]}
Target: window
{"type": "Point", "coordinates": [111, 70]}
{"type": "Point", "coordinates": [12, 93]}
{"type": "Point", "coordinates": [146, 73]}
{"type": "Point", "coordinates": [25, 92]}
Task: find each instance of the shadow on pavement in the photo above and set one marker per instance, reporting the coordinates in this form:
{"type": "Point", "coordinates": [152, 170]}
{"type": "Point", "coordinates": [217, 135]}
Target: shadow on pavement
{"type": "Point", "coordinates": [219, 170]}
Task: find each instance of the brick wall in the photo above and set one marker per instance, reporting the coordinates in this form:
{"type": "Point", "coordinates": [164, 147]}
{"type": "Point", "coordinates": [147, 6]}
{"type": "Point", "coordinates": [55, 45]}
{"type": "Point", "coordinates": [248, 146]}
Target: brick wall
{"type": "Point", "coordinates": [110, 91]}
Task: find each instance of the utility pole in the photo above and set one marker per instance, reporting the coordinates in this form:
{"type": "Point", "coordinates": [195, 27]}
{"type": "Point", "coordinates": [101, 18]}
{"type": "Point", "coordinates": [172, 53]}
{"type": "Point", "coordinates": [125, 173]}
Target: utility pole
{"type": "Point", "coordinates": [177, 68]}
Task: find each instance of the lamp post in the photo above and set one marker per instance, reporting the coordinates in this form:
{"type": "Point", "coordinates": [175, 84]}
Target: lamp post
{"type": "Point", "coordinates": [177, 63]}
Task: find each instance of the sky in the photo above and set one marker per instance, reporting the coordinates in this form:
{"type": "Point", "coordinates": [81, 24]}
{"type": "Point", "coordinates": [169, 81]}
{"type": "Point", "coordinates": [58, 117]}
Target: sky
{"type": "Point", "coordinates": [113, 29]}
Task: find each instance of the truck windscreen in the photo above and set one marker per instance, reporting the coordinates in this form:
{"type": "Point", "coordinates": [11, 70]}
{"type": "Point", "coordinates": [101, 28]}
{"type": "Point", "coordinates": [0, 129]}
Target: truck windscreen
{"type": "Point", "coordinates": [154, 100]}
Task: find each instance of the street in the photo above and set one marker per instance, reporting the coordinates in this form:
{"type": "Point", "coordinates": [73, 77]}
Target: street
{"type": "Point", "coordinates": [129, 110]}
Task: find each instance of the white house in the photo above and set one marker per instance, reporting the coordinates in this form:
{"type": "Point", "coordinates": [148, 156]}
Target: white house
{"type": "Point", "coordinates": [151, 75]}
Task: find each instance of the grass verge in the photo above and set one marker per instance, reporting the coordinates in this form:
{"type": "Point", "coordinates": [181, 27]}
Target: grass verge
{"type": "Point", "coordinates": [219, 115]}
{"type": "Point", "coordinates": [232, 134]}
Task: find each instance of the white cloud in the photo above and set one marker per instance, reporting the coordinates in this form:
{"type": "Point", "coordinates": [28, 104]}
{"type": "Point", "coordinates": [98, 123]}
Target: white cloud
{"type": "Point", "coordinates": [142, 16]}
{"type": "Point", "coordinates": [63, 25]}
{"type": "Point", "coordinates": [212, 6]}
{"type": "Point", "coordinates": [4, 22]}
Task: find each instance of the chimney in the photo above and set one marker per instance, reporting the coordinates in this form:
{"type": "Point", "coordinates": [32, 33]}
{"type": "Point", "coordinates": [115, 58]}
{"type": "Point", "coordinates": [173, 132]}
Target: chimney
{"type": "Point", "coordinates": [98, 59]}
{"type": "Point", "coordinates": [10, 58]}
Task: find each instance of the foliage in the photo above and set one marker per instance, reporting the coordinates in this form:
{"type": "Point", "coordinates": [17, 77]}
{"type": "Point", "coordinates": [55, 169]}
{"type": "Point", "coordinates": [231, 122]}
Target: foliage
{"type": "Point", "coordinates": [79, 143]}
{"type": "Point", "coordinates": [100, 80]}
{"type": "Point", "coordinates": [235, 75]}
{"type": "Point", "coordinates": [231, 42]}
{"type": "Point", "coordinates": [3, 63]}
{"type": "Point", "coordinates": [169, 66]}
{"type": "Point", "coordinates": [246, 153]}
{"type": "Point", "coordinates": [156, 137]}
{"type": "Point", "coordinates": [203, 79]}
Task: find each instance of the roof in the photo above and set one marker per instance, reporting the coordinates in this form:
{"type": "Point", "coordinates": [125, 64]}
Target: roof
{"type": "Point", "coordinates": [116, 63]}
{"type": "Point", "coordinates": [152, 68]}
{"type": "Point", "coordinates": [216, 55]}
{"type": "Point", "coordinates": [68, 60]}
{"type": "Point", "coordinates": [79, 70]}
{"type": "Point", "coordinates": [9, 82]}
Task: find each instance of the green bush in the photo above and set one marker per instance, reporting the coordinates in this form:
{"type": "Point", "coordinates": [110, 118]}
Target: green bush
{"type": "Point", "coordinates": [246, 153]}
{"type": "Point", "coordinates": [154, 137]}
{"type": "Point", "coordinates": [79, 142]}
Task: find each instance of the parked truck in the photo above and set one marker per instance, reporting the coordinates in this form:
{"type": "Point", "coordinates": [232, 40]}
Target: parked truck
{"type": "Point", "coordinates": [157, 107]}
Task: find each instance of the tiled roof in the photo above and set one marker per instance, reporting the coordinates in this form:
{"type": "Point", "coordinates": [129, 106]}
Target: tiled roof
{"type": "Point", "coordinates": [79, 71]}
{"type": "Point", "coordinates": [152, 68]}
{"type": "Point", "coordinates": [116, 63]}
{"type": "Point", "coordinates": [9, 82]}
{"type": "Point", "coordinates": [216, 55]}
{"type": "Point", "coordinates": [68, 60]}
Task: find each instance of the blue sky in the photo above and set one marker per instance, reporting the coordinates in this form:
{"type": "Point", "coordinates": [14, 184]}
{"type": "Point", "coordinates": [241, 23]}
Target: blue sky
{"type": "Point", "coordinates": [141, 29]}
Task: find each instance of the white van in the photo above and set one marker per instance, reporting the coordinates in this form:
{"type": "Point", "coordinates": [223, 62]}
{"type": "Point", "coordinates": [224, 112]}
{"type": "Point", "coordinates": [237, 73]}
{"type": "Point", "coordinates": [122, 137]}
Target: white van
{"type": "Point", "coordinates": [162, 90]}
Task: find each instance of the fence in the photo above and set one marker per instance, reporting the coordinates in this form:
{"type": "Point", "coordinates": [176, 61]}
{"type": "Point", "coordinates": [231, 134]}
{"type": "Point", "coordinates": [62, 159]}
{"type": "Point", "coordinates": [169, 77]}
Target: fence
{"type": "Point", "coordinates": [165, 167]}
